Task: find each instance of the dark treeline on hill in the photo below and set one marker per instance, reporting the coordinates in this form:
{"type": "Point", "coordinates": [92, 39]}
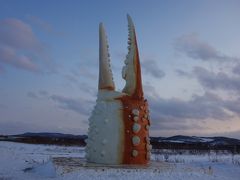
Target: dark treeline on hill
{"type": "Point", "coordinates": [174, 142]}
{"type": "Point", "coordinates": [47, 138]}
{"type": "Point", "coordinates": [196, 143]}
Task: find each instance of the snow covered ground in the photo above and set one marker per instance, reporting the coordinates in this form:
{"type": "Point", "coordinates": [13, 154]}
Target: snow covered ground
{"type": "Point", "coordinates": [27, 161]}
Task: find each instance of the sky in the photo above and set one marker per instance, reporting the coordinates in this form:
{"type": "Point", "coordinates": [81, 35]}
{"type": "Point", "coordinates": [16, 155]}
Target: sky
{"type": "Point", "coordinates": [189, 52]}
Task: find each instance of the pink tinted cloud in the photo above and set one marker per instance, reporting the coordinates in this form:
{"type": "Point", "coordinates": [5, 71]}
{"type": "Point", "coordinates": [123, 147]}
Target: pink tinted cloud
{"type": "Point", "coordinates": [10, 57]}
{"type": "Point", "coordinates": [44, 25]}
{"type": "Point", "coordinates": [17, 34]}
{"type": "Point", "coordinates": [19, 44]}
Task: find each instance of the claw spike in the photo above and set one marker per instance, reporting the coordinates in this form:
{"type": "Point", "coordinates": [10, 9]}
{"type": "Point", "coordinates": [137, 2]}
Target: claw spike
{"type": "Point", "coordinates": [105, 72]}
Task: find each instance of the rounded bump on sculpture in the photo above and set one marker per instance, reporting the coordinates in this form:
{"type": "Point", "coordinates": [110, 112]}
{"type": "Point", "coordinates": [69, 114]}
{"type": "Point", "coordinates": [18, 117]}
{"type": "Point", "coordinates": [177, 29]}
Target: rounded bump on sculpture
{"type": "Point", "coordinates": [136, 127]}
{"type": "Point", "coordinates": [147, 139]}
{"type": "Point", "coordinates": [148, 117]}
{"type": "Point", "coordinates": [104, 142]}
{"type": "Point", "coordinates": [136, 140]}
{"type": "Point", "coordinates": [135, 118]}
{"type": "Point", "coordinates": [106, 121]}
{"type": "Point", "coordinates": [148, 147]}
{"type": "Point", "coordinates": [135, 112]}
{"type": "Point", "coordinates": [145, 116]}
{"type": "Point", "coordinates": [124, 73]}
{"type": "Point", "coordinates": [103, 153]}
{"type": "Point", "coordinates": [126, 61]}
{"type": "Point", "coordinates": [134, 153]}
{"type": "Point", "coordinates": [147, 127]}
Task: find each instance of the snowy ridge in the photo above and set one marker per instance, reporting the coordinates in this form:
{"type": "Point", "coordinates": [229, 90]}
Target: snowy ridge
{"type": "Point", "coordinates": [212, 141]}
{"type": "Point", "coordinates": [203, 140]}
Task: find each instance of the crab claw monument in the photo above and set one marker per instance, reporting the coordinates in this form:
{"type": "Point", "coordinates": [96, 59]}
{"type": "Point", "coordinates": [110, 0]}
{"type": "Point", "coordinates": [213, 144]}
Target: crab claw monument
{"type": "Point", "coordinates": [119, 124]}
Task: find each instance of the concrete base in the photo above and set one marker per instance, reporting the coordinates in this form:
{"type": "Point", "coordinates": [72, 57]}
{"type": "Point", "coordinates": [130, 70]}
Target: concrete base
{"type": "Point", "coordinates": [71, 164]}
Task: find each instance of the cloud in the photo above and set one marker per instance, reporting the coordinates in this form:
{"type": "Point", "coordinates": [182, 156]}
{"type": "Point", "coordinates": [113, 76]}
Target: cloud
{"type": "Point", "coordinates": [20, 47]}
{"type": "Point", "coordinates": [193, 47]}
{"type": "Point", "coordinates": [233, 105]}
{"type": "Point", "coordinates": [77, 105]}
{"type": "Point", "coordinates": [18, 34]}
{"type": "Point", "coordinates": [197, 108]}
{"type": "Point", "coordinates": [43, 93]}
{"type": "Point", "coordinates": [233, 134]}
{"type": "Point", "coordinates": [182, 73]}
{"type": "Point", "coordinates": [176, 126]}
{"type": "Point", "coordinates": [85, 71]}
{"type": "Point", "coordinates": [19, 127]}
{"type": "Point", "coordinates": [219, 80]}
{"type": "Point", "coordinates": [41, 23]}
{"type": "Point", "coordinates": [32, 95]}
{"type": "Point", "coordinates": [150, 67]}
{"type": "Point", "coordinates": [236, 69]}
{"type": "Point", "coordinates": [76, 80]}
{"type": "Point", "coordinates": [88, 89]}
{"type": "Point", "coordinates": [47, 27]}
{"type": "Point", "coordinates": [38, 95]}
{"type": "Point", "coordinates": [150, 90]}
{"type": "Point", "coordinates": [9, 56]}
{"type": "Point", "coordinates": [182, 115]}
{"type": "Point", "coordinates": [71, 78]}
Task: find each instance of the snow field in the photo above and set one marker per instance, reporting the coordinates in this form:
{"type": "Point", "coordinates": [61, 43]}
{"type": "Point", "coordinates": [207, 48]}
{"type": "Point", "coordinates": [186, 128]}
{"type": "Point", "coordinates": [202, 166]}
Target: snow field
{"type": "Point", "coordinates": [28, 161]}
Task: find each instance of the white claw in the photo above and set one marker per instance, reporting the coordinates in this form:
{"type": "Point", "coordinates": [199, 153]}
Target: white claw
{"type": "Point", "coordinates": [105, 73]}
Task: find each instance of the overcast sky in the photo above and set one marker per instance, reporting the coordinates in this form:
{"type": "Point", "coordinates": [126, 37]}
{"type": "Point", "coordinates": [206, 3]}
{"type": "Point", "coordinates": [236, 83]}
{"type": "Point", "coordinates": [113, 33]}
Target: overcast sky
{"type": "Point", "coordinates": [189, 51]}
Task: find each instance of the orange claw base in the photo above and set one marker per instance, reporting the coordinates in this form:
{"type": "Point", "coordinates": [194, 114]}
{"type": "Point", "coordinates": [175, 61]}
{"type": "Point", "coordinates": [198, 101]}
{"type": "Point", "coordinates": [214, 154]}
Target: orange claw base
{"type": "Point", "coordinates": [136, 126]}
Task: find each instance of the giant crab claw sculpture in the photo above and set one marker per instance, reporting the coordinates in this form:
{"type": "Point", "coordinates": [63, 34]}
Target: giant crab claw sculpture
{"type": "Point", "coordinates": [119, 125]}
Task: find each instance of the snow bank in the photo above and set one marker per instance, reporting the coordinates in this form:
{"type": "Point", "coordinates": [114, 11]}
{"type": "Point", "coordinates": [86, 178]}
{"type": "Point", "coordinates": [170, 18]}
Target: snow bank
{"type": "Point", "coordinates": [25, 162]}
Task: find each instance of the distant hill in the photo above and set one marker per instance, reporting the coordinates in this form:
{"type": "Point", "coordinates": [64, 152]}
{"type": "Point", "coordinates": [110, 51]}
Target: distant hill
{"type": "Point", "coordinates": [52, 135]}
{"type": "Point", "coordinates": [47, 138]}
{"type": "Point", "coordinates": [174, 142]}
{"type": "Point", "coordinates": [196, 140]}
{"type": "Point", "coordinates": [196, 143]}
